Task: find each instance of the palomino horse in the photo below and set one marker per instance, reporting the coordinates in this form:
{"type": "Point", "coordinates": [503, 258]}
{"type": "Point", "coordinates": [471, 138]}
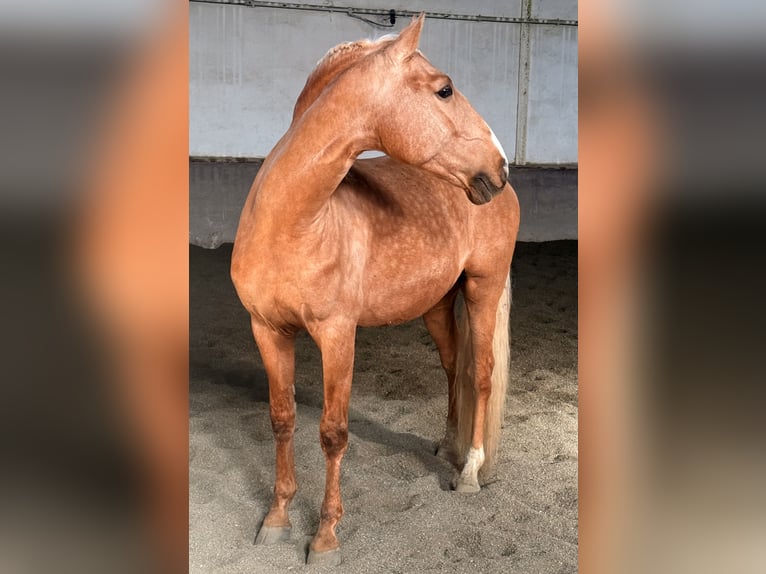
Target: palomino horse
{"type": "Point", "coordinates": [327, 242]}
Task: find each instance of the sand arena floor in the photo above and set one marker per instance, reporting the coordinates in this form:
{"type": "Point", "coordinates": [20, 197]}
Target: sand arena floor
{"type": "Point", "coordinates": [400, 515]}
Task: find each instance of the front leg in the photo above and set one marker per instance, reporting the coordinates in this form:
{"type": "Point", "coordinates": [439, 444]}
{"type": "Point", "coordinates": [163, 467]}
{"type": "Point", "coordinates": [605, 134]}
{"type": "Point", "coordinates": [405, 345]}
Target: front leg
{"type": "Point", "coordinates": [440, 322]}
{"type": "Point", "coordinates": [278, 354]}
{"type": "Point", "coordinates": [336, 342]}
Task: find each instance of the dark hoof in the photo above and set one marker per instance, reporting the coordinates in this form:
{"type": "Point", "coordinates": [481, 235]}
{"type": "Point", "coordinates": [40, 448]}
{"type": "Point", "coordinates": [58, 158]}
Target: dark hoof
{"type": "Point", "coordinates": [444, 452]}
{"type": "Point", "coordinates": [327, 558]}
{"type": "Point", "coordinates": [273, 534]}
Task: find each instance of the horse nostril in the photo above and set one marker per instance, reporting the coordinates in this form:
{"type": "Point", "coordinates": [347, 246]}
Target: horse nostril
{"type": "Point", "coordinates": [504, 175]}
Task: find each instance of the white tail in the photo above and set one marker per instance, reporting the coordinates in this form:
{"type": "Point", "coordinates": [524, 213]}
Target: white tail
{"type": "Point", "coordinates": [465, 394]}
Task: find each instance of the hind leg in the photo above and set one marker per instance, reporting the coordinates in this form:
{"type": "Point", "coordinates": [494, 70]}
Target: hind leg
{"type": "Point", "coordinates": [482, 295]}
{"type": "Point", "coordinates": [440, 322]}
{"type": "Point", "coordinates": [278, 354]}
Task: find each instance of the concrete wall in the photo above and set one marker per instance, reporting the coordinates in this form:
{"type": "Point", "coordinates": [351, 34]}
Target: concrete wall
{"type": "Point", "coordinates": [248, 65]}
{"type": "Point", "coordinates": [217, 190]}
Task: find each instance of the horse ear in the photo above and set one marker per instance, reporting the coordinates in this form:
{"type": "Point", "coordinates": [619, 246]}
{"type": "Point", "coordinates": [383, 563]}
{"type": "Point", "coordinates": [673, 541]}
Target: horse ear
{"type": "Point", "coordinates": [407, 41]}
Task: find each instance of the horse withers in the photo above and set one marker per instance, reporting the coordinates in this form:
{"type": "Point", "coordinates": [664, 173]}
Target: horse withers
{"type": "Point", "coordinates": [327, 242]}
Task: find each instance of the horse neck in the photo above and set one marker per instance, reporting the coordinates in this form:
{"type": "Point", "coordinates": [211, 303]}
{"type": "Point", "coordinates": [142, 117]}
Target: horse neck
{"type": "Point", "coordinates": [335, 62]}
{"type": "Point", "coordinates": [309, 162]}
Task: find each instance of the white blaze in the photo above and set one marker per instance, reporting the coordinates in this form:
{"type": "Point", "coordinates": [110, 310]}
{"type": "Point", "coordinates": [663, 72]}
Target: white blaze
{"type": "Point", "coordinates": [499, 147]}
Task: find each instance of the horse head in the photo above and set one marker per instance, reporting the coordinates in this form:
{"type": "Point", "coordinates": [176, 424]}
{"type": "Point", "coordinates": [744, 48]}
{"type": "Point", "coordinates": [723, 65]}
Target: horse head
{"type": "Point", "coordinates": [422, 119]}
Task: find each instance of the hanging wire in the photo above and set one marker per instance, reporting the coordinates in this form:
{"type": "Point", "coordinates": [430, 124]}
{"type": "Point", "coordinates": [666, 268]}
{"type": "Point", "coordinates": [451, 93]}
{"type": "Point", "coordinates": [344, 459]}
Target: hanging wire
{"type": "Point", "coordinates": [355, 13]}
{"type": "Point", "coordinates": [391, 18]}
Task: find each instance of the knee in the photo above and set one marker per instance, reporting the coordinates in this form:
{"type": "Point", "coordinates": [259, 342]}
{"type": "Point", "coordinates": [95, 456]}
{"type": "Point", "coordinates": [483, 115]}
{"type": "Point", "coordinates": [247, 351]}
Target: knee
{"type": "Point", "coordinates": [334, 438]}
{"type": "Point", "coordinates": [283, 426]}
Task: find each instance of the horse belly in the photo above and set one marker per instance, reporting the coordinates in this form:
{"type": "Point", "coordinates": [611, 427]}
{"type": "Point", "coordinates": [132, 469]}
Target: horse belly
{"type": "Point", "coordinates": [395, 297]}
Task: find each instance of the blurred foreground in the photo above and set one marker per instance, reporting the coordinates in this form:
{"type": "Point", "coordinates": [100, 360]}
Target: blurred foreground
{"type": "Point", "coordinates": [672, 277]}
{"type": "Point", "coordinates": [93, 205]}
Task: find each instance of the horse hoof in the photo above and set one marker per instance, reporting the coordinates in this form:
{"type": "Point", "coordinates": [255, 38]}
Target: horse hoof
{"type": "Point", "coordinates": [467, 486]}
{"type": "Point", "coordinates": [326, 558]}
{"type": "Point", "coordinates": [444, 452]}
{"type": "Point", "coordinates": [273, 534]}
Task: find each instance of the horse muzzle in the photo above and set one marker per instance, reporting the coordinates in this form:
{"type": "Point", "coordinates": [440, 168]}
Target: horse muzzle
{"type": "Point", "coordinates": [482, 189]}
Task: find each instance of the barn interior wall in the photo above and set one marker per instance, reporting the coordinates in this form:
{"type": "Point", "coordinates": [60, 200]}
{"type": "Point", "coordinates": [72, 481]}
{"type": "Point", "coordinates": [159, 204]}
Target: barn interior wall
{"type": "Point", "coordinates": [248, 64]}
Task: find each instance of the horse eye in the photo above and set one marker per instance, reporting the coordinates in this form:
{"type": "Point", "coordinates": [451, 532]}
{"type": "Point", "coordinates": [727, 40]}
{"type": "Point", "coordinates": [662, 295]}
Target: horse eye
{"type": "Point", "coordinates": [445, 92]}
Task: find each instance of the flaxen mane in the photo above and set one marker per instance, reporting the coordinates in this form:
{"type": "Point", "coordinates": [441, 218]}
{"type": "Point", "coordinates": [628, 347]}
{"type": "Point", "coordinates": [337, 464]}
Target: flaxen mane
{"type": "Point", "coordinates": [336, 61]}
